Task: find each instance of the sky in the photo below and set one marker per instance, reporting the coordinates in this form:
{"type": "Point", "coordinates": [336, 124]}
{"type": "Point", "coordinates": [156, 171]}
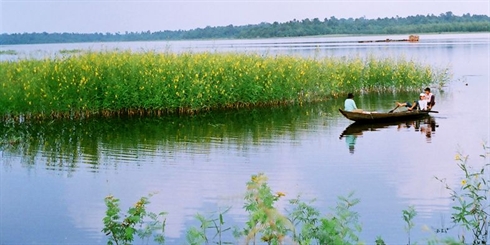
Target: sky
{"type": "Point", "coordinates": [113, 16]}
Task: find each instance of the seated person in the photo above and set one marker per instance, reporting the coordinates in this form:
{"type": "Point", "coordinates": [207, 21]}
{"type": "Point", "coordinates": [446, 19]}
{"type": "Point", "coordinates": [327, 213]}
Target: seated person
{"type": "Point", "coordinates": [421, 104]}
{"type": "Point", "coordinates": [350, 104]}
{"type": "Point", "coordinates": [430, 98]}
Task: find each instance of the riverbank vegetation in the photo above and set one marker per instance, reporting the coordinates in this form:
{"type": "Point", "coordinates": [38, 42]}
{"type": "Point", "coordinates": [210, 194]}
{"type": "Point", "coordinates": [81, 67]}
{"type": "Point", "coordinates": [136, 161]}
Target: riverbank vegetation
{"type": "Point", "coordinates": [445, 22]}
{"type": "Point", "coordinates": [303, 223]}
{"type": "Point", "coordinates": [112, 83]}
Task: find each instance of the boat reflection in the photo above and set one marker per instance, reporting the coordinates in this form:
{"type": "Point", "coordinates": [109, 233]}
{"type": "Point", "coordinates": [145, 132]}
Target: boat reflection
{"type": "Point", "coordinates": [425, 126]}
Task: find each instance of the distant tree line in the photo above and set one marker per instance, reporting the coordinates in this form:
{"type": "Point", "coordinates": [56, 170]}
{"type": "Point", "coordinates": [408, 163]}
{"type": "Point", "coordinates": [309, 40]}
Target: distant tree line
{"type": "Point", "coordinates": [445, 22]}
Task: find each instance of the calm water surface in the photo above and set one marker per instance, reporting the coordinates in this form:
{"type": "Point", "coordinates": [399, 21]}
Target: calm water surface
{"type": "Point", "coordinates": [53, 185]}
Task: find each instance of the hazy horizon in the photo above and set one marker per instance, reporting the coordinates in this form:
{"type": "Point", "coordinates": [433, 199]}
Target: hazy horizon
{"type": "Point", "coordinates": [113, 16]}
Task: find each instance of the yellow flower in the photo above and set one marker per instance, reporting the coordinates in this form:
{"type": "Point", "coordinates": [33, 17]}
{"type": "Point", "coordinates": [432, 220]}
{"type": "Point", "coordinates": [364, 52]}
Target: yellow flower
{"type": "Point", "coordinates": [463, 182]}
{"type": "Point", "coordinates": [280, 194]}
{"type": "Point", "coordinates": [457, 157]}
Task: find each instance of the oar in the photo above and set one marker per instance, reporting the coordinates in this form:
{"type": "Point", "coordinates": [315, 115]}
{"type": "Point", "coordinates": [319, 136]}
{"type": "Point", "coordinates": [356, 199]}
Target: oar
{"type": "Point", "coordinates": [433, 111]}
{"type": "Point", "coordinates": [394, 109]}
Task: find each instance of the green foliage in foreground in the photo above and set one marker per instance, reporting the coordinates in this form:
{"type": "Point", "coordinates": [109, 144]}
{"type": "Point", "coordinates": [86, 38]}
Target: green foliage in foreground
{"type": "Point", "coordinates": [472, 209]}
{"type": "Point", "coordinates": [122, 230]}
{"type": "Point", "coordinates": [115, 83]}
{"type": "Point", "coordinates": [408, 216]}
{"type": "Point", "coordinates": [302, 224]}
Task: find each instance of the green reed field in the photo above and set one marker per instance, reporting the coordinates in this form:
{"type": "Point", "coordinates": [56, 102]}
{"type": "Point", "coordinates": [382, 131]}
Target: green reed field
{"type": "Point", "coordinates": [112, 83]}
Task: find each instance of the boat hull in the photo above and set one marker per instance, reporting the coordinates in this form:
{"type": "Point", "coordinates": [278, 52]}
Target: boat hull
{"type": "Point", "coordinates": [383, 117]}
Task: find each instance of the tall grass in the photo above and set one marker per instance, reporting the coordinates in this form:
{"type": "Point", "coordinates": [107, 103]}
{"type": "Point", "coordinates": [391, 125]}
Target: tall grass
{"type": "Point", "coordinates": [123, 82]}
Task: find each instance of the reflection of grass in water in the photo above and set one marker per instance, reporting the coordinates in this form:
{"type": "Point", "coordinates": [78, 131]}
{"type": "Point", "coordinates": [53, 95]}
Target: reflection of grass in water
{"type": "Point", "coordinates": [70, 142]}
{"type": "Point", "coordinates": [10, 141]}
{"type": "Point", "coordinates": [8, 52]}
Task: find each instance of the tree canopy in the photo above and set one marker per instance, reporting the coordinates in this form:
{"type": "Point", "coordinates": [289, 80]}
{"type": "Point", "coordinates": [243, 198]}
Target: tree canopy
{"type": "Point", "coordinates": [445, 22]}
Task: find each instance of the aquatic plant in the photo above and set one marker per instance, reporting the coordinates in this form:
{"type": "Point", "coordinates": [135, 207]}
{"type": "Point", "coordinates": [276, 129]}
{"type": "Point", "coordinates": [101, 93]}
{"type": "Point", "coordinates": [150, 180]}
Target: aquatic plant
{"type": "Point", "coordinates": [342, 226]}
{"type": "Point", "coordinates": [339, 227]}
{"type": "Point", "coordinates": [265, 221]}
{"type": "Point", "coordinates": [472, 208]}
{"type": "Point", "coordinates": [379, 241]}
{"type": "Point", "coordinates": [199, 235]}
{"type": "Point", "coordinates": [122, 230]}
{"type": "Point", "coordinates": [112, 83]}
{"type": "Point", "coordinates": [408, 215]}
{"type": "Point", "coordinates": [305, 219]}
{"type": "Point", "coordinates": [303, 223]}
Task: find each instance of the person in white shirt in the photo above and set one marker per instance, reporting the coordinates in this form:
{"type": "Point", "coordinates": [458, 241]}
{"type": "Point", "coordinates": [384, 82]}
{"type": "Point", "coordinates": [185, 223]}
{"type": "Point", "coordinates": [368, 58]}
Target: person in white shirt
{"type": "Point", "coordinates": [421, 104]}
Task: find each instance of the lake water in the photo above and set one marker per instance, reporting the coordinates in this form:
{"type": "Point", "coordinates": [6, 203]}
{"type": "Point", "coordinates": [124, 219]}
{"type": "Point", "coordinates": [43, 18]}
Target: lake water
{"type": "Point", "coordinates": [54, 184]}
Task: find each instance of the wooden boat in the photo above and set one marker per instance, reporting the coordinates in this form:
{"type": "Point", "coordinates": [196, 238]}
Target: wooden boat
{"type": "Point", "coordinates": [366, 116]}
